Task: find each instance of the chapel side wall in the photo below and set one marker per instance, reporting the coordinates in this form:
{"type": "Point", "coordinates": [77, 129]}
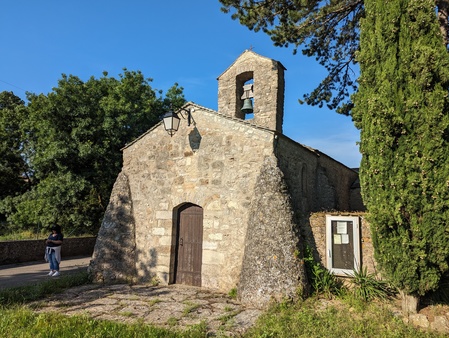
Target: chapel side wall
{"type": "Point", "coordinates": [317, 222]}
{"type": "Point", "coordinates": [316, 181]}
{"type": "Point", "coordinates": [213, 165]}
{"type": "Point", "coordinates": [342, 178]}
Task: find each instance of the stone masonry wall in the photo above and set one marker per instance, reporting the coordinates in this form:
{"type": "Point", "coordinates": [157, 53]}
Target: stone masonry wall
{"type": "Point", "coordinates": [342, 179]}
{"type": "Point", "coordinates": [214, 164]}
{"type": "Point", "coordinates": [268, 76]}
{"type": "Point", "coordinates": [315, 181]}
{"type": "Point", "coordinates": [12, 252]}
{"type": "Point", "coordinates": [302, 175]}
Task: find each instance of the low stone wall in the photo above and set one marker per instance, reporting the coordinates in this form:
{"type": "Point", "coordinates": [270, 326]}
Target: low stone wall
{"type": "Point", "coordinates": [33, 250]}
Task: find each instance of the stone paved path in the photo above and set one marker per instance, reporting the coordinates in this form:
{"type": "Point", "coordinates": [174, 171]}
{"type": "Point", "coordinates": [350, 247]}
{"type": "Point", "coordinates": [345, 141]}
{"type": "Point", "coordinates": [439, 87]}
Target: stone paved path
{"type": "Point", "coordinates": [173, 306]}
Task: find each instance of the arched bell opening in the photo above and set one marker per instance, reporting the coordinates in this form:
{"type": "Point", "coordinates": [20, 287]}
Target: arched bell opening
{"type": "Point", "coordinates": [245, 96]}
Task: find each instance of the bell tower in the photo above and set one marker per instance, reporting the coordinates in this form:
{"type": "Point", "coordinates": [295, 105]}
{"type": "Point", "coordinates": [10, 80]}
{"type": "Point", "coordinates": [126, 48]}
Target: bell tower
{"type": "Point", "coordinates": [253, 81]}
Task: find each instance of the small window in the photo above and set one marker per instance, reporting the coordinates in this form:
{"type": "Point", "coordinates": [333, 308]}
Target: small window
{"type": "Point", "coordinates": [343, 244]}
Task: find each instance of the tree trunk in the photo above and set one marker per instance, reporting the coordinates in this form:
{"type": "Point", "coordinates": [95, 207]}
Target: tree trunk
{"type": "Point", "coordinates": [443, 9]}
{"type": "Point", "coordinates": [410, 303]}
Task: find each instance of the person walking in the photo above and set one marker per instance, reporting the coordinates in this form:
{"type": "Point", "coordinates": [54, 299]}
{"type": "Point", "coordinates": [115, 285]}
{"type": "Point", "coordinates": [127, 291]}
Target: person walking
{"type": "Point", "coordinates": [53, 250]}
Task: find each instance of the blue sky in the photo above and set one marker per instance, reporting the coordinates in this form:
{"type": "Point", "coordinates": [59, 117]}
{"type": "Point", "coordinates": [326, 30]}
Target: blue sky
{"type": "Point", "coordinates": [188, 42]}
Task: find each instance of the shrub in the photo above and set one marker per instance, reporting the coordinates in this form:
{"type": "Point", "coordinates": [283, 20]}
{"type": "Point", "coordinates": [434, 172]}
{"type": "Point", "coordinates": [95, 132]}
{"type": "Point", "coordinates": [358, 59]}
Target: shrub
{"type": "Point", "coordinates": [366, 286]}
{"type": "Point", "coordinates": [321, 280]}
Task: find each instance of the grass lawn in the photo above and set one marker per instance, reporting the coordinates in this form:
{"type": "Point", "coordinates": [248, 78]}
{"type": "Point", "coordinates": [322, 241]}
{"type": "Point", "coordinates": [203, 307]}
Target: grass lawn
{"type": "Point", "coordinates": [344, 316]}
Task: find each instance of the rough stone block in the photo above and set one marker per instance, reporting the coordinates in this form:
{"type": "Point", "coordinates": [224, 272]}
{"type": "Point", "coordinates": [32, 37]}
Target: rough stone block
{"type": "Point", "coordinates": [216, 237]}
{"type": "Point", "coordinates": [158, 231]}
{"type": "Point", "coordinates": [419, 320]}
{"type": "Point", "coordinates": [440, 324]}
{"type": "Point", "coordinates": [165, 240]}
{"type": "Point", "coordinates": [213, 257]}
{"type": "Point", "coordinates": [208, 223]}
{"type": "Point", "coordinates": [163, 214]}
{"type": "Point", "coordinates": [207, 245]}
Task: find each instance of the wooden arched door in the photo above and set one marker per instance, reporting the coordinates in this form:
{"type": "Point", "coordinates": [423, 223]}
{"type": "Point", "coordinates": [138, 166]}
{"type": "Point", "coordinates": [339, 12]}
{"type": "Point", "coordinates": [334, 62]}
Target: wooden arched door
{"type": "Point", "coordinates": [189, 245]}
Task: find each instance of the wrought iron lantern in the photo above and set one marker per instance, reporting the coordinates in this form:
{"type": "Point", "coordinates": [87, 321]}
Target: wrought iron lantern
{"type": "Point", "coordinates": [171, 120]}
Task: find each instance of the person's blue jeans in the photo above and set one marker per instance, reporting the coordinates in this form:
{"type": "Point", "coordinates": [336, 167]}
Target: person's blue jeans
{"type": "Point", "coordinates": [54, 264]}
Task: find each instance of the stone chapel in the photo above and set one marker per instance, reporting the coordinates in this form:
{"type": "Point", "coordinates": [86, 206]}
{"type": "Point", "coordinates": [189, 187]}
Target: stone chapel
{"type": "Point", "coordinates": [221, 203]}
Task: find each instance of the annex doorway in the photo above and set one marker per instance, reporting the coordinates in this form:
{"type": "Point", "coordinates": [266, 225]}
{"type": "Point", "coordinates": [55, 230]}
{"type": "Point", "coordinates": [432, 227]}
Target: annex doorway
{"type": "Point", "coordinates": [189, 245]}
{"type": "Point", "coordinates": [343, 244]}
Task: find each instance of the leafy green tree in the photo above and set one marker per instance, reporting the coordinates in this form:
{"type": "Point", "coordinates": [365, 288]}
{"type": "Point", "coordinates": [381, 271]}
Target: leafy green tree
{"type": "Point", "coordinates": [13, 165]}
{"type": "Point", "coordinates": [74, 137]}
{"type": "Point", "coordinates": [326, 30]}
{"type": "Point", "coordinates": [402, 109]}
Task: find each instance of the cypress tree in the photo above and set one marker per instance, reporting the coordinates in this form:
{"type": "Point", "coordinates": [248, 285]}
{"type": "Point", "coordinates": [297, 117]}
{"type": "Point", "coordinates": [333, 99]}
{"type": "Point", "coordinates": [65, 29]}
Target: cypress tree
{"type": "Point", "coordinates": [402, 110]}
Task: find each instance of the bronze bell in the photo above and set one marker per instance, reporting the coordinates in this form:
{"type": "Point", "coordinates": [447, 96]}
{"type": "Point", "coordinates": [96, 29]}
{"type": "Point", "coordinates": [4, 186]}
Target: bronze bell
{"type": "Point", "coordinates": [247, 106]}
